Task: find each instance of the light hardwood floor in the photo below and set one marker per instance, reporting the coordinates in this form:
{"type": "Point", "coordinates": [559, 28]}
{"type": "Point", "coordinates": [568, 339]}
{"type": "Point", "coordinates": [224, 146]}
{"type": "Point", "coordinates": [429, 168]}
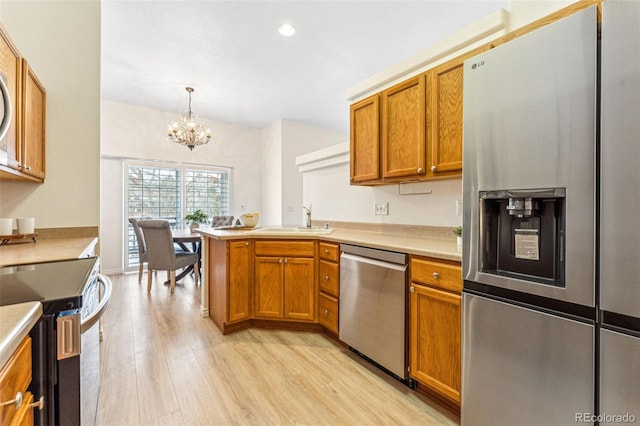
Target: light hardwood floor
{"type": "Point", "coordinates": [163, 364]}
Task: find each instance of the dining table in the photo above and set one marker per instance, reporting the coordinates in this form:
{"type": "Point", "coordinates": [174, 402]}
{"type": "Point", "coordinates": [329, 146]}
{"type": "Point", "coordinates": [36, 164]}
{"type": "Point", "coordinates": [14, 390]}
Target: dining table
{"type": "Point", "coordinates": [188, 241]}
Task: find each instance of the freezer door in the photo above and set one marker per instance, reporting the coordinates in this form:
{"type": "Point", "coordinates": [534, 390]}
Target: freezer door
{"type": "Point", "coordinates": [619, 375]}
{"type": "Point", "coordinates": [620, 192]}
{"type": "Point", "coordinates": [530, 125]}
{"type": "Point", "coordinates": [522, 366]}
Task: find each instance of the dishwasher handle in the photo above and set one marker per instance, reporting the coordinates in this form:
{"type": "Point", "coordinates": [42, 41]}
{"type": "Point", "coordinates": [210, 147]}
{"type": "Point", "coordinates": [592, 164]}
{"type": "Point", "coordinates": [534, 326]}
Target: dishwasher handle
{"type": "Point", "coordinates": [89, 321]}
{"type": "Point", "coordinates": [361, 259]}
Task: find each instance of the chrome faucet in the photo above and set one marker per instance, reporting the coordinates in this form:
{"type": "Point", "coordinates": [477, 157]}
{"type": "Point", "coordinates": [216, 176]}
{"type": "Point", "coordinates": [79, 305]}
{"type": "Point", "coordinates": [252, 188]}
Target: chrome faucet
{"type": "Point", "coordinates": [308, 213]}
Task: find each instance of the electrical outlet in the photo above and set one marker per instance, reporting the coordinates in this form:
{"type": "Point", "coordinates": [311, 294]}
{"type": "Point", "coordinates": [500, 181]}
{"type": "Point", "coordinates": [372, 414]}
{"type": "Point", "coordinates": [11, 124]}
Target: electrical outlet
{"type": "Point", "coordinates": [458, 207]}
{"type": "Point", "coordinates": [381, 208]}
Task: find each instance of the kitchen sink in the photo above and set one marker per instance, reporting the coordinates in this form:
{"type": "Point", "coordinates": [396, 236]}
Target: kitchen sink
{"type": "Point", "coordinates": [292, 230]}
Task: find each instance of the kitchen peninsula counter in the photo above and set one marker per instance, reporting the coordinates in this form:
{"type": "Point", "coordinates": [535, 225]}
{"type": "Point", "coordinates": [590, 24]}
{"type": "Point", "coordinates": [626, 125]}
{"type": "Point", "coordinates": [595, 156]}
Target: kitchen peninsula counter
{"type": "Point", "coordinates": [16, 322]}
{"type": "Point", "coordinates": [437, 246]}
{"type": "Point", "coordinates": [50, 250]}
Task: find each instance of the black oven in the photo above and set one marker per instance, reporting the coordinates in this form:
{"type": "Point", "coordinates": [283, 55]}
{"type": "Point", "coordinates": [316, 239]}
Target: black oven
{"type": "Point", "coordinates": [64, 341]}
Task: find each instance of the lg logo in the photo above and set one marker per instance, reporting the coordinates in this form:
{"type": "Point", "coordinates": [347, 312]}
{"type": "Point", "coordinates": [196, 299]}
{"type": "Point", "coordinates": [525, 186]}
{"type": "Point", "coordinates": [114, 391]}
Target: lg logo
{"type": "Point", "coordinates": [477, 64]}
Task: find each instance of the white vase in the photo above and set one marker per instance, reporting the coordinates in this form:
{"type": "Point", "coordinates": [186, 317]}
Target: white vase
{"type": "Point", "coordinates": [459, 240]}
{"type": "Point", "coordinates": [193, 226]}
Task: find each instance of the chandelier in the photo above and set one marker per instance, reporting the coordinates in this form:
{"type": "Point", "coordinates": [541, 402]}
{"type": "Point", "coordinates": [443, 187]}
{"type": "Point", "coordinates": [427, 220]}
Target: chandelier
{"type": "Point", "coordinates": [189, 132]}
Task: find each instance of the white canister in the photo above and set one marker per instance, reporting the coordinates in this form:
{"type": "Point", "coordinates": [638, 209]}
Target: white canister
{"type": "Point", "coordinates": [26, 225]}
{"type": "Point", "coordinates": [6, 226]}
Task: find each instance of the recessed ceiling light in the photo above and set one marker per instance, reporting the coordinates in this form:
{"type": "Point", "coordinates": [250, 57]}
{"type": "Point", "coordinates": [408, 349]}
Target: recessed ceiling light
{"type": "Point", "coordinates": [287, 30]}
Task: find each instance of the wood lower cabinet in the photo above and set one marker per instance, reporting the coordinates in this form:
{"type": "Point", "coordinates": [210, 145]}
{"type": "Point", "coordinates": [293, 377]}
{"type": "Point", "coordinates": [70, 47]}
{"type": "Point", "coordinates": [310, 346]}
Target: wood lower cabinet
{"type": "Point", "coordinates": [285, 284]}
{"type": "Point", "coordinates": [435, 326]}
{"type": "Point", "coordinates": [329, 285]}
{"type": "Point", "coordinates": [15, 378]}
{"type": "Point", "coordinates": [240, 282]}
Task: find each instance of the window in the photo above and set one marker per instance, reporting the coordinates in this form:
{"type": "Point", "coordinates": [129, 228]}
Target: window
{"type": "Point", "coordinates": [170, 192]}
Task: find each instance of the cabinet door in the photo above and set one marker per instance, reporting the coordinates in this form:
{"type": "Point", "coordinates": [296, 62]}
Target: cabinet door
{"type": "Point", "coordinates": [10, 67]}
{"type": "Point", "coordinates": [239, 298]}
{"type": "Point", "coordinates": [446, 119]}
{"type": "Point", "coordinates": [33, 131]}
{"type": "Point", "coordinates": [435, 340]}
{"type": "Point", "coordinates": [299, 289]}
{"type": "Point", "coordinates": [365, 140]}
{"type": "Point", "coordinates": [404, 140]}
{"type": "Point", "coordinates": [269, 289]}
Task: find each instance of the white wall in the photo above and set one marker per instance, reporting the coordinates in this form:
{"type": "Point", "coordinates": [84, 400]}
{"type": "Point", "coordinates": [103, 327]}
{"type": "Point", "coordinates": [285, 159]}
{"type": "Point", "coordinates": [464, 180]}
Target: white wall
{"type": "Point", "coordinates": [61, 41]}
{"type": "Point", "coordinates": [283, 141]}
{"type": "Point", "coordinates": [140, 133]}
{"type": "Point", "coordinates": [271, 165]}
{"type": "Point", "coordinates": [297, 139]}
{"type": "Point", "coordinates": [335, 200]}
{"type": "Point", "coordinates": [523, 12]}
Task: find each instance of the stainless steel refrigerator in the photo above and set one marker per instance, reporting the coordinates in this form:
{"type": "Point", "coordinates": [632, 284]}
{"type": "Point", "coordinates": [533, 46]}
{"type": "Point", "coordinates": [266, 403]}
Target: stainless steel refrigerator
{"type": "Point", "coordinates": [529, 252]}
{"type": "Point", "coordinates": [619, 392]}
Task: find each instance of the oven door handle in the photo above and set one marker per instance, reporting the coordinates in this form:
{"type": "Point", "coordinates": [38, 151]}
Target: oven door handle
{"type": "Point", "coordinates": [89, 321]}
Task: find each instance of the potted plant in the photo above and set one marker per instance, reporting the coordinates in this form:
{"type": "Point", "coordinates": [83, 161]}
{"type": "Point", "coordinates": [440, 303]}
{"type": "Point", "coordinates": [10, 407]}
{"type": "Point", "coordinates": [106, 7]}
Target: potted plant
{"type": "Point", "coordinates": [196, 218]}
{"type": "Point", "coordinates": [458, 233]}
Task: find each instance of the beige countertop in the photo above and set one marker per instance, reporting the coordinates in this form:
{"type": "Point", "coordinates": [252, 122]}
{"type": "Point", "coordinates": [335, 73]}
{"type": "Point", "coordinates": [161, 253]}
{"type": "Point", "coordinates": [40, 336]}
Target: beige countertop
{"type": "Point", "coordinates": [47, 251]}
{"type": "Point", "coordinates": [436, 246]}
{"type": "Point", "coordinates": [15, 323]}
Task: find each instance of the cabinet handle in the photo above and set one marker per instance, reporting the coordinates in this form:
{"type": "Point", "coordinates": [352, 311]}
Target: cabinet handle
{"type": "Point", "coordinates": [27, 167]}
{"type": "Point", "coordinates": [326, 251]}
{"type": "Point", "coordinates": [419, 169]}
{"type": "Point", "coordinates": [326, 277]}
{"type": "Point", "coordinates": [39, 404]}
{"type": "Point", "coordinates": [286, 260]}
{"type": "Point", "coordinates": [326, 312]}
{"type": "Point", "coordinates": [435, 275]}
{"type": "Point", "coordinates": [412, 289]}
{"type": "Point", "coordinates": [17, 401]}
{"type": "Point", "coordinates": [246, 244]}
{"type": "Point", "coordinates": [434, 168]}
{"type": "Point", "coordinates": [279, 260]}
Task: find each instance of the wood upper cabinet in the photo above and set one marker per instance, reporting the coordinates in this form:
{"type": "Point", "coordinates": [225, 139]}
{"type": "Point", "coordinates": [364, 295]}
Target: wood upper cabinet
{"type": "Point", "coordinates": [445, 106]}
{"type": "Point", "coordinates": [11, 69]}
{"type": "Point", "coordinates": [445, 119]}
{"type": "Point", "coordinates": [404, 141]}
{"type": "Point", "coordinates": [25, 141]}
{"type": "Point", "coordinates": [34, 101]}
{"type": "Point", "coordinates": [435, 325]}
{"type": "Point", "coordinates": [240, 273]}
{"type": "Point", "coordinates": [285, 280]}
{"type": "Point", "coordinates": [365, 140]}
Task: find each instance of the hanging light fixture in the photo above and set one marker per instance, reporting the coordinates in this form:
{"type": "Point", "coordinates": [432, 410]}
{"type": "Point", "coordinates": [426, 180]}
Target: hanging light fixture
{"type": "Point", "coordinates": [189, 132]}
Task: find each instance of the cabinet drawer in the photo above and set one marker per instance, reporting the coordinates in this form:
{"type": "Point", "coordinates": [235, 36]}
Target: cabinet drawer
{"type": "Point", "coordinates": [437, 273]}
{"type": "Point", "coordinates": [285, 248]}
{"type": "Point", "coordinates": [329, 277]}
{"type": "Point", "coordinates": [329, 251]}
{"type": "Point", "coordinates": [15, 377]}
{"type": "Point", "coordinates": [328, 312]}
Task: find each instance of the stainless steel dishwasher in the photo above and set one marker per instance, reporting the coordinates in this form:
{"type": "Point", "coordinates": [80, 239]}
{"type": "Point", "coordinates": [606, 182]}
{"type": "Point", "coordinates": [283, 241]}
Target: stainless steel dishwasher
{"type": "Point", "coordinates": [373, 307]}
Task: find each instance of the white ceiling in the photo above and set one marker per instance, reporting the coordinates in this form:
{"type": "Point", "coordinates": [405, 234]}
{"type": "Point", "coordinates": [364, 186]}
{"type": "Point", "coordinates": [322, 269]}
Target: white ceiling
{"type": "Point", "coordinates": [245, 73]}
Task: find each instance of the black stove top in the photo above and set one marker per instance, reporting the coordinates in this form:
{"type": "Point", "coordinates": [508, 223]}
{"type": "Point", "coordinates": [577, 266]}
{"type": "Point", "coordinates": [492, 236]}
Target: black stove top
{"type": "Point", "coordinates": [58, 285]}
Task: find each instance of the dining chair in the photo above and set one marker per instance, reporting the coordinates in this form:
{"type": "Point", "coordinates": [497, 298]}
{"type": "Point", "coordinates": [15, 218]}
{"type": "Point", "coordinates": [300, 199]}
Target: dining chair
{"type": "Point", "coordinates": [161, 254]}
{"type": "Point", "coordinates": [221, 221]}
{"type": "Point", "coordinates": [142, 249]}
